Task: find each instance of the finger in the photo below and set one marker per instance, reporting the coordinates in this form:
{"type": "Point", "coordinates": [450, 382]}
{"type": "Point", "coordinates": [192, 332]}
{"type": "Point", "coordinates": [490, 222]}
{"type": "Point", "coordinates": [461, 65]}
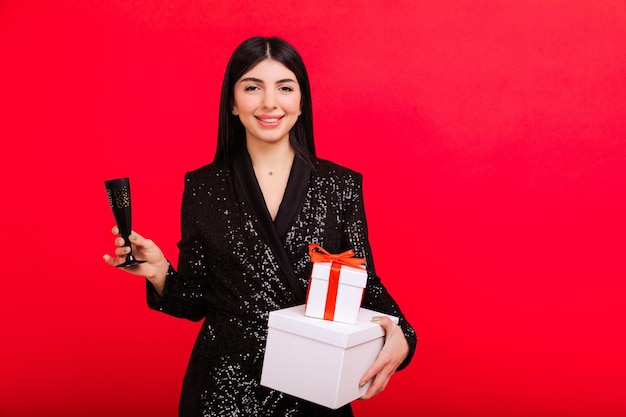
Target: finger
{"type": "Point", "coordinates": [368, 394]}
{"type": "Point", "coordinates": [379, 383]}
{"type": "Point", "coordinates": [122, 251]}
{"type": "Point", "coordinates": [115, 230]}
{"type": "Point", "coordinates": [372, 371]}
{"type": "Point", "coordinates": [137, 239]}
{"type": "Point", "coordinates": [384, 321]}
{"type": "Point", "coordinates": [110, 260]}
{"type": "Point", "coordinates": [378, 365]}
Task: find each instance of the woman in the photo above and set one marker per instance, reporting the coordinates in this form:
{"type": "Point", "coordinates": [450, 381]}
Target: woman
{"type": "Point", "coordinates": [247, 220]}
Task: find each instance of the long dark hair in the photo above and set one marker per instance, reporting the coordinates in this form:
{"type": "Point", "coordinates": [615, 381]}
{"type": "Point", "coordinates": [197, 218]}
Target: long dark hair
{"type": "Point", "coordinates": [231, 135]}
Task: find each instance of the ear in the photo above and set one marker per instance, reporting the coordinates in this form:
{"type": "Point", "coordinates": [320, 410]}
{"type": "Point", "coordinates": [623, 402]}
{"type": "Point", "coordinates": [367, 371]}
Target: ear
{"type": "Point", "coordinates": [233, 107]}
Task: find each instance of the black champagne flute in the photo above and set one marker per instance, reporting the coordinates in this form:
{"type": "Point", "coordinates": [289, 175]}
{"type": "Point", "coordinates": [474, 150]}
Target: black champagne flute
{"type": "Point", "coordinates": [118, 193]}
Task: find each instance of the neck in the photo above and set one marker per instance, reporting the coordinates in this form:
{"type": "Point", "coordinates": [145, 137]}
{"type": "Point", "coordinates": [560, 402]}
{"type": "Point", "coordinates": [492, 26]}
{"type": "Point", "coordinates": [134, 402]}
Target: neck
{"type": "Point", "coordinates": [271, 158]}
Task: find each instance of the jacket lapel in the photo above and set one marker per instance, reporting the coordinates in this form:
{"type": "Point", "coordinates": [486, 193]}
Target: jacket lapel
{"type": "Point", "coordinates": [274, 232]}
{"type": "Point", "coordinates": [294, 197]}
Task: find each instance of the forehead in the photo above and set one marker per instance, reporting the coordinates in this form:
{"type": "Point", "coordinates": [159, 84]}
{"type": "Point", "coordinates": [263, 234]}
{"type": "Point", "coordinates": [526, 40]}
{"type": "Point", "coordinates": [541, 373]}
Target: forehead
{"type": "Point", "coordinates": [269, 70]}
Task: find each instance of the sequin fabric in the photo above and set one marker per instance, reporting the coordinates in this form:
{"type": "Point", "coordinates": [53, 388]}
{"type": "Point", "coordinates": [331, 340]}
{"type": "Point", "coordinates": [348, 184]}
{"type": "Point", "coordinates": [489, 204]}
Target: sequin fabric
{"type": "Point", "coordinates": [228, 276]}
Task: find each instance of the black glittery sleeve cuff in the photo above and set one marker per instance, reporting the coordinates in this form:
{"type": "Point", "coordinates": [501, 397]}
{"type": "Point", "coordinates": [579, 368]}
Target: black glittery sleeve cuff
{"type": "Point", "coordinates": [411, 338]}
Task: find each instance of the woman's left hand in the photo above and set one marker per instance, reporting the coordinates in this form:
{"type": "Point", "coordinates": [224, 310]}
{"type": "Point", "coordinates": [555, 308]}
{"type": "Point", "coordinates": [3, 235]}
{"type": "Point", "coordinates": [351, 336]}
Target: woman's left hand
{"type": "Point", "coordinates": [394, 351]}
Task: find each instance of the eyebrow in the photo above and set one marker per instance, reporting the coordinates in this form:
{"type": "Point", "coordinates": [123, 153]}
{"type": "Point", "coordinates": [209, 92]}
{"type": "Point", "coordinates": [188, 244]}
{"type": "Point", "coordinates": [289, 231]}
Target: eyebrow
{"type": "Point", "coordinates": [257, 80]}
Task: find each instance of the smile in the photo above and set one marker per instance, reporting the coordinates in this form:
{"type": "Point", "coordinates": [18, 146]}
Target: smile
{"type": "Point", "coordinates": [269, 121]}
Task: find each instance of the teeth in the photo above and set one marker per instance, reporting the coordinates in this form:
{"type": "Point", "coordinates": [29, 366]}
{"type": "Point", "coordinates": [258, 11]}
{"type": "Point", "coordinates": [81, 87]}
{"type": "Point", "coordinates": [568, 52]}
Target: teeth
{"type": "Point", "coordinates": [270, 120]}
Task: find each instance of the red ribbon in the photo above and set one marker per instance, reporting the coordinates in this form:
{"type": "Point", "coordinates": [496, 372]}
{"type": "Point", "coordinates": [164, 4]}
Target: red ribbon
{"type": "Point", "coordinates": [331, 295]}
{"type": "Point", "coordinates": [319, 254]}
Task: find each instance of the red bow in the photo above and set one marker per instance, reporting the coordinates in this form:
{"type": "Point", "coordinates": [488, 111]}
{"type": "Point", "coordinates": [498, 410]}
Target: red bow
{"type": "Point", "coordinates": [319, 254]}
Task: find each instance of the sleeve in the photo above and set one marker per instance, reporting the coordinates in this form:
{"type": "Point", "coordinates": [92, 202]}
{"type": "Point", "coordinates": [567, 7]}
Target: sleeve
{"type": "Point", "coordinates": [184, 292]}
{"type": "Point", "coordinates": [376, 296]}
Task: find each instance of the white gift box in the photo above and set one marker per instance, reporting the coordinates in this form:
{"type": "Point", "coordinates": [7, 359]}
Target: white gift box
{"type": "Point", "coordinates": [320, 361]}
{"type": "Point", "coordinates": [337, 301]}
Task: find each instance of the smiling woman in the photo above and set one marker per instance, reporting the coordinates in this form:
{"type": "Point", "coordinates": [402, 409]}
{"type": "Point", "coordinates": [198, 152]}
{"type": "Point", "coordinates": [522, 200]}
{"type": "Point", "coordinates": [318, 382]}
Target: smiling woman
{"type": "Point", "coordinates": [247, 221]}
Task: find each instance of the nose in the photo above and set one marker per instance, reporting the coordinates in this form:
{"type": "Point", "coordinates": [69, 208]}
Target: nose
{"type": "Point", "coordinates": [269, 100]}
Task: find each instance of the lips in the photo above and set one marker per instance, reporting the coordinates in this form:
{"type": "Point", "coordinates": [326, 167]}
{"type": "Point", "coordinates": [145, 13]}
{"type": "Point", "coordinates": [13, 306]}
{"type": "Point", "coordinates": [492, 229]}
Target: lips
{"type": "Point", "coordinates": [269, 120]}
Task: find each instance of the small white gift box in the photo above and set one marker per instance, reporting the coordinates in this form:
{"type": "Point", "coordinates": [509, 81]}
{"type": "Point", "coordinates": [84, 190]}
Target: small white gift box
{"type": "Point", "coordinates": [319, 360]}
{"type": "Point", "coordinates": [335, 292]}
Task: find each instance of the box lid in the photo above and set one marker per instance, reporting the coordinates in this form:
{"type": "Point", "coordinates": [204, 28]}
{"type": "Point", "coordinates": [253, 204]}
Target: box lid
{"type": "Point", "coordinates": [344, 335]}
{"type": "Point", "coordinates": [348, 275]}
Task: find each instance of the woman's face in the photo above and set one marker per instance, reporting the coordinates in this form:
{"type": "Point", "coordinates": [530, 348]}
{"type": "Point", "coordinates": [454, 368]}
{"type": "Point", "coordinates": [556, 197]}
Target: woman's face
{"type": "Point", "coordinates": [267, 101]}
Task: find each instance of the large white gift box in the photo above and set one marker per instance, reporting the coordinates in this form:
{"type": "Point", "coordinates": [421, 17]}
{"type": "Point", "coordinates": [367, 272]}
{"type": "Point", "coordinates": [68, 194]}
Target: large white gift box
{"type": "Point", "coordinates": [335, 292]}
{"type": "Point", "coordinates": [320, 361]}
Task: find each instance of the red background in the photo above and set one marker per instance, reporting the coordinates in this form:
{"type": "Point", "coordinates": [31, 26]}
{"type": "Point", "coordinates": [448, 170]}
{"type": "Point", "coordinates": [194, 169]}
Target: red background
{"type": "Point", "coordinates": [491, 137]}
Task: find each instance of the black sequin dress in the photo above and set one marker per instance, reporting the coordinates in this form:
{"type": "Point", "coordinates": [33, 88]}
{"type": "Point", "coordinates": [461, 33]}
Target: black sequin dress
{"type": "Point", "coordinates": [229, 274]}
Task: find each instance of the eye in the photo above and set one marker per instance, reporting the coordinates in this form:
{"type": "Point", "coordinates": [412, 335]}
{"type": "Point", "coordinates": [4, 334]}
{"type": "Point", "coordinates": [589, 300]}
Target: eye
{"type": "Point", "coordinates": [251, 88]}
{"type": "Point", "coordinates": [286, 88]}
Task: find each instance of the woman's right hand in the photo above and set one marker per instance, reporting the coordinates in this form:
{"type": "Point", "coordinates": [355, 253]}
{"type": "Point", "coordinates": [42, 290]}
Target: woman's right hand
{"type": "Point", "coordinates": [154, 269]}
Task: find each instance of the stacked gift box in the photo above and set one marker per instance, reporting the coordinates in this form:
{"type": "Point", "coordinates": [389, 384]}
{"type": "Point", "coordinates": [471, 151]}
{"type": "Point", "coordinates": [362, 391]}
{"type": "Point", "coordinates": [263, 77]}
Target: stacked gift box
{"type": "Point", "coordinates": [319, 351]}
